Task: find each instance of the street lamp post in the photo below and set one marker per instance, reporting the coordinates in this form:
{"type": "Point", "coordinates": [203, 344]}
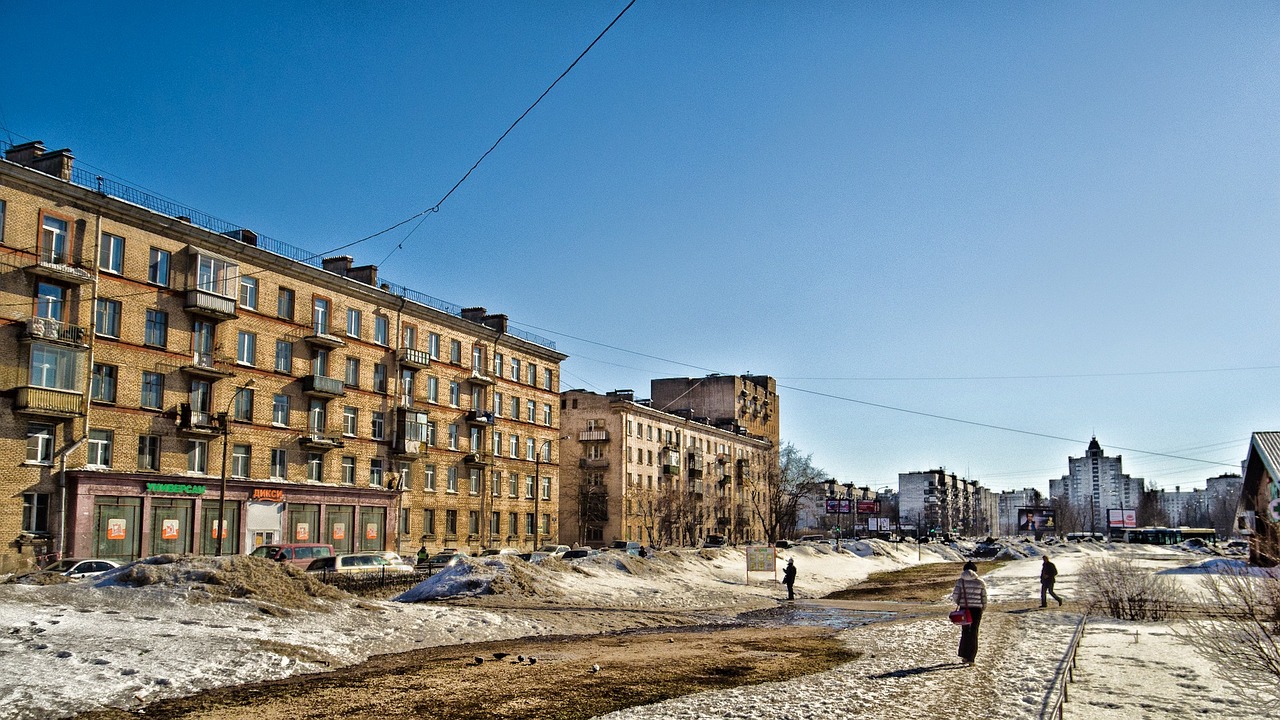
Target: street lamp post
{"type": "Point", "coordinates": [222, 489]}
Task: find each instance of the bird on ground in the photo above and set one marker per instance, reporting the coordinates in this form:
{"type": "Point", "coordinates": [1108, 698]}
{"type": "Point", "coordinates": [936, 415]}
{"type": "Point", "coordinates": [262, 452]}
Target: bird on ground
{"type": "Point", "coordinates": [595, 668]}
{"type": "Point", "coordinates": [533, 660]}
{"type": "Point", "coordinates": [500, 655]}
{"type": "Point", "coordinates": [519, 658]}
{"type": "Point", "coordinates": [479, 660]}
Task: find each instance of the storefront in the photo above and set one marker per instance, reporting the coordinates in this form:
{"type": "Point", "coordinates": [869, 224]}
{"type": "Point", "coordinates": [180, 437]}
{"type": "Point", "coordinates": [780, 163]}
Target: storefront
{"type": "Point", "coordinates": [125, 517]}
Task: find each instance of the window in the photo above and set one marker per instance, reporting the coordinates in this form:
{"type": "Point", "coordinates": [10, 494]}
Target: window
{"type": "Point", "coordinates": [284, 303]}
{"type": "Point", "coordinates": [530, 410]}
{"type": "Point", "coordinates": [515, 369]}
{"type": "Point", "coordinates": [348, 470]}
{"type": "Point", "coordinates": [473, 522]}
{"type": "Point", "coordinates": [431, 433]}
{"type": "Point", "coordinates": [455, 393]}
{"type": "Point", "coordinates": [408, 336]}
{"type": "Point", "coordinates": [497, 443]}
{"type": "Point", "coordinates": [103, 388]}
{"type": "Point", "coordinates": [547, 379]}
{"type": "Point", "coordinates": [528, 523]}
{"type": "Point", "coordinates": [455, 352]}
{"type": "Point", "coordinates": [528, 487]}
{"type": "Point", "coordinates": [51, 301]}
{"type": "Point", "coordinates": [433, 389]}
{"type": "Point", "coordinates": [495, 486]}
{"type": "Point", "coordinates": [280, 410]}
{"type": "Point", "coordinates": [111, 253]}
{"type": "Point", "coordinates": [157, 328]}
{"type": "Point", "coordinates": [152, 390]}
{"type": "Point", "coordinates": [240, 460]}
{"type": "Point", "coordinates": [451, 522]}
{"type": "Point", "coordinates": [39, 443]}
{"type": "Point", "coordinates": [244, 404]}
{"type": "Point", "coordinates": [320, 316]}
{"type": "Point", "coordinates": [515, 408]}
{"type": "Point", "coordinates": [216, 275]}
{"type": "Point", "coordinates": [54, 247]}
{"type": "Point", "coordinates": [158, 267]}
{"type": "Point", "coordinates": [513, 485]}
{"type": "Point", "coordinates": [352, 378]}
{"type": "Point", "coordinates": [497, 404]}
{"type": "Point", "coordinates": [453, 437]}
{"type": "Point", "coordinates": [284, 356]}
{"type": "Point", "coordinates": [379, 429]}
{"type": "Point", "coordinates": [279, 463]}
{"type": "Point", "coordinates": [350, 421]}
{"type": "Point", "coordinates": [477, 440]}
{"type": "Point", "coordinates": [498, 360]}
{"type": "Point", "coordinates": [380, 378]}
{"type": "Point", "coordinates": [433, 345]}
{"type": "Point", "coordinates": [533, 374]}
{"type": "Point", "coordinates": [477, 359]}
{"type": "Point", "coordinates": [428, 522]}
{"type": "Point", "coordinates": [474, 487]}
{"type": "Point", "coordinates": [149, 452]}
{"type": "Point", "coordinates": [246, 348]}
{"type": "Point", "coordinates": [529, 448]}
{"type": "Point", "coordinates": [380, 329]}
{"type": "Point", "coordinates": [248, 292]}
{"type": "Point", "coordinates": [202, 339]}
{"type": "Point", "coordinates": [546, 488]}
{"type": "Point", "coordinates": [108, 318]}
{"type": "Point", "coordinates": [429, 479]}
{"type": "Point", "coordinates": [317, 417]}
{"type": "Point", "coordinates": [515, 446]}
{"type": "Point", "coordinates": [406, 384]}
{"type": "Point", "coordinates": [451, 480]}
{"type": "Point", "coordinates": [198, 456]}
{"type": "Point", "coordinates": [315, 467]}
{"type": "Point", "coordinates": [513, 523]}
{"type": "Point", "coordinates": [546, 413]}
{"type": "Point", "coordinates": [35, 512]}
{"type": "Point", "coordinates": [320, 362]}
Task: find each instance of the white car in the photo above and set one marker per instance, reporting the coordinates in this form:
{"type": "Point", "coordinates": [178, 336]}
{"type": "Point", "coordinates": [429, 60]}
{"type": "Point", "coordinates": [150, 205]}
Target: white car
{"type": "Point", "coordinates": [81, 567]}
{"type": "Point", "coordinates": [392, 558]}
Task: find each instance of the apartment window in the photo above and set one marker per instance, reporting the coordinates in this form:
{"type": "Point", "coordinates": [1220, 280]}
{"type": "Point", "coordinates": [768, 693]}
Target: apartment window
{"type": "Point", "coordinates": [152, 390]}
{"type": "Point", "coordinates": [380, 329]}
{"type": "Point", "coordinates": [352, 378]}
{"type": "Point", "coordinates": [39, 443]}
{"type": "Point", "coordinates": [348, 470]}
{"type": "Point", "coordinates": [149, 452]}
{"type": "Point", "coordinates": [473, 522]}
{"type": "Point", "coordinates": [353, 323]}
{"type": "Point", "coordinates": [54, 248]}
{"type": "Point", "coordinates": [108, 318]}
{"type": "Point", "coordinates": [528, 523]}
{"type": "Point", "coordinates": [379, 428]}
{"type": "Point", "coordinates": [495, 485]}
{"type": "Point", "coordinates": [477, 359]}
{"type": "Point", "coordinates": [455, 352]}
{"type": "Point", "coordinates": [433, 345]}
{"type": "Point", "coordinates": [320, 362]}
{"type": "Point", "coordinates": [156, 332]}
{"type": "Point", "coordinates": [515, 408]}
{"type": "Point", "coordinates": [284, 303]}
{"type": "Point", "coordinates": [515, 446]}
{"type": "Point", "coordinates": [429, 522]}
{"type": "Point", "coordinates": [453, 437]}
{"type": "Point", "coordinates": [498, 360]}
{"type": "Point", "coordinates": [158, 267]}
{"type": "Point", "coordinates": [433, 389]}
{"type": "Point", "coordinates": [317, 417]}
{"type": "Point", "coordinates": [431, 433]}
{"type": "Point", "coordinates": [515, 369]}
{"type": "Point", "coordinates": [533, 374]}
{"type": "Point", "coordinates": [315, 467]}
{"type": "Point", "coordinates": [546, 413]}
{"type": "Point", "coordinates": [35, 512]}
{"type": "Point", "coordinates": [350, 421]}
{"type": "Point", "coordinates": [429, 478]}
{"type": "Point", "coordinates": [546, 488]}
{"type": "Point", "coordinates": [103, 388]}
{"type": "Point", "coordinates": [280, 410]}
{"type": "Point", "coordinates": [248, 292]}
{"type": "Point", "coordinates": [111, 254]}
{"type": "Point", "coordinates": [530, 410]}
{"type": "Point", "coordinates": [51, 301]}
{"type": "Point", "coordinates": [529, 448]}
{"type": "Point", "coordinates": [455, 393]}
{"type": "Point", "coordinates": [528, 487]}
{"type": "Point", "coordinates": [380, 378]}
{"type": "Point", "coordinates": [545, 524]}
{"type": "Point", "coordinates": [474, 478]}
{"type": "Point", "coordinates": [451, 522]}
{"type": "Point", "coordinates": [320, 316]}
{"type": "Point", "coordinates": [215, 275]}
{"type": "Point", "coordinates": [451, 480]}
{"type": "Point", "coordinates": [497, 443]}
{"type": "Point", "coordinates": [279, 463]}
{"type": "Point", "coordinates": [244, 404]}
{"type": "Point", "coordinates": [100, 443]}
{"type": "Point", "coordinates": [495, 523]}
{"type": "Point", "coordinates": [202, 339]}
{"type": "Point", "coordinates": [246, 348]}
{"type": "Point", "coordinates": [497, 404]}
{"type": "Point", "coordinates": [477, 397]}
{"type": "Point", "coordinates": [406, 384]}
{"type": "Point", "coordinates": [477, 440]}
{"type": "Point", "coordinates": [547, 379]}
{"type": "Point", "coordinates": [284, 356]}
{"type": "Point", "coordinates": [415, 426]}
{"type": "Point", "coordinates": [240, 460]}
{"type": "Point", "coordinates": [513, 523]}
{"type": "Point", "coordinates": [513, 485]}
{"type": "Point", "coordinates": [198, 456]}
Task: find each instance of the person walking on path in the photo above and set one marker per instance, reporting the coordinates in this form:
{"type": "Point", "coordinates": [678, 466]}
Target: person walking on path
{"type": "Point", "coordinates": [789, 579]}
{"type": "Point", "coordinates": [1048, 574]}
{"type": "Point", "coordinates": [970, 592]}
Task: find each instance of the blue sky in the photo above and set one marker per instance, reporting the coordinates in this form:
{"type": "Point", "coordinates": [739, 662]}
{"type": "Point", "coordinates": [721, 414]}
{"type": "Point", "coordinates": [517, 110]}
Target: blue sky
{"type": "Point", "coordinates": [1022, 215]}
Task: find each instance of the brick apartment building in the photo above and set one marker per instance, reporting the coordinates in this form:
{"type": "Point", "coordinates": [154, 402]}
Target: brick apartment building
{"type": "Point", "coordinates": [633, 471]}
{"type": "Point", "coordinates": [162, 373]}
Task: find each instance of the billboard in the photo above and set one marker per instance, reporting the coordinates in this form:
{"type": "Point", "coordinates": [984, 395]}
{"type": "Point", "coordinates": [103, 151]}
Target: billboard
{"type": "Point", "coordinates": [1123, 518]}
{"type": "Point", "coordinates": [838, 505]}
{"type": "Point", "coordinates": [868, 507]}
{"type": "Point", "coordinates": [1036, 520]}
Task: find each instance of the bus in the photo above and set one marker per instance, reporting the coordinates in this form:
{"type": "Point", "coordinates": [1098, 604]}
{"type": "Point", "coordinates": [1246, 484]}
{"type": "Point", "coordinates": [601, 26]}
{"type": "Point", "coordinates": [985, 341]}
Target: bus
{"type": "Point", "coordinates": [1170, 536]}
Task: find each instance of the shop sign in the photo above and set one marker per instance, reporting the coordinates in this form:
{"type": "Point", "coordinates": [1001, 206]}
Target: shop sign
{"type": "Point", "coordinates": [271, 494]}
{"type": "Point", "coordinates": [169, 529]}
{"type": "Point", "coordinates": [178, 488]}
{"type": "Point", "coordinates": [116, 528]}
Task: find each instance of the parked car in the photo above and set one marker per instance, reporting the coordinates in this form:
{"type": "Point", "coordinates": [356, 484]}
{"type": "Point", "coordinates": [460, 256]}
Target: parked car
{"type": "Point", "coordinates": [811, 538]}
{"type": "Point", "coordinates": [782, 544]}
{"type": "Point", "coordinates": [490, 552]}
{"type": "Point", "coordinates": [630, 547]}
{"type": "Point", "coordinates": [355, 563]}
{"type": "Point", "coordinates": [442, 560]}
{"type": "Point", "coordinates": [556, 550]}
{"type": "Point", "coordinates": [578, 553]}
{"type": "Point", "coordinates": [80, 567]}
{"type": "Point", "coordinates": [391, 557]}
{"type": "Point", "coordinates": [713, 541]}
{"type": "Point", "coordinates": [300, 554]}
{"type": "Point", "coordinates": [534, 556]}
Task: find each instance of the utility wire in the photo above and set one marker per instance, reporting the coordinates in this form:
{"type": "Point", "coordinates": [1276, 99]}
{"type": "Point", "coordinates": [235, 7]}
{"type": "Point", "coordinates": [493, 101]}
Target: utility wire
{"type": "Point", "coordinates": [1038, 377]}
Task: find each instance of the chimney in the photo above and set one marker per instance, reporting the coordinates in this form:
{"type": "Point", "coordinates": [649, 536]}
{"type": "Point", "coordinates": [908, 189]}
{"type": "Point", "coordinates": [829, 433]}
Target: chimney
{"type": "Point", "coordinates": [367, 274]}
{"type": "Point", "coordinates": [340, 264]}
{"type": "Point", "coordinates": [497, 322]}
{"type": "Point", "coordinates": [56, 163]}
{"type": "Point", "coordinates": [25, 153]}
{"type": "Point", "coordinates": [474, 314]}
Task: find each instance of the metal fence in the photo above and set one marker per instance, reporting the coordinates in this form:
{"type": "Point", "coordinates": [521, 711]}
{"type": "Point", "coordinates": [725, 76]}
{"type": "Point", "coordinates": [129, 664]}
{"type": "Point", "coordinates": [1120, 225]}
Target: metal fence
{"type": "Point", "coordinates": [1057, 696]}
{"type": "Point", "coordinates": [372, 583]}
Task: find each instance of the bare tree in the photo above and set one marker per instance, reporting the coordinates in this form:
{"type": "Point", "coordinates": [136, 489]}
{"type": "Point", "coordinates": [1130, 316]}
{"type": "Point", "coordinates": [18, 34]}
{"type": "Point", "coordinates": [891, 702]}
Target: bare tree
{"type": "Point", "coordinates": [786, 483]}
{"type": "Point", "coordinates": [1119, 589]}
{"type": "Point", "coordinates": [1242, 633]}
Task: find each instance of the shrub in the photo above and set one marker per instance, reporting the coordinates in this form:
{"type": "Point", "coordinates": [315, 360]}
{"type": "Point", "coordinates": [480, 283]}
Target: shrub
{"type": "Point", "coordinates": [1119, 589]}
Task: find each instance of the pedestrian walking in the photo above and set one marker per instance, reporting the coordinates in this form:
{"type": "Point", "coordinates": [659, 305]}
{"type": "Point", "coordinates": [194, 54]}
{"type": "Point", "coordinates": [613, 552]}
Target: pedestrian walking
{"type": "Point", "coordinates": [1048, 575]}
{"type": "Point", "coordinates": [789, 579]}
{"type": "Point", "coordinates": [970, 592]}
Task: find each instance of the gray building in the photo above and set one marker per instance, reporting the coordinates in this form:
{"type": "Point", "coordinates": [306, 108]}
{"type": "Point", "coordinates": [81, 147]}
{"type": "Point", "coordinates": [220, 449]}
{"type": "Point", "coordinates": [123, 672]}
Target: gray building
{"type": "Point", "coordinates": [1094, 484]}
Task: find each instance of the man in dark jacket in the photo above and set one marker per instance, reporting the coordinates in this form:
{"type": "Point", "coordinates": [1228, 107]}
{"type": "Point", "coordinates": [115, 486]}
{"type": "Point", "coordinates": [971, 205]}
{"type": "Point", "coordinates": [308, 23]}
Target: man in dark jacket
{"type": "Point", "coordinates": [1048, 574]}
{"type": "Point", "coordinates": [789, 579]}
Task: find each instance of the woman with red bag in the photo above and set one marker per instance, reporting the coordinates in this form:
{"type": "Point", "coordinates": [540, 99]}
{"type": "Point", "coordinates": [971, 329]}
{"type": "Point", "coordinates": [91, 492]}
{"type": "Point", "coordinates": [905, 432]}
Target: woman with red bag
{"type": "Point", "coordinates": [970, 594]}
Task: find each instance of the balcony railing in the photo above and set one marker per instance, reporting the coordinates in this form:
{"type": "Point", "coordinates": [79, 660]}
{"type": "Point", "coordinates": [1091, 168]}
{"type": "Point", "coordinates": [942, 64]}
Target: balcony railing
{"type": "Point", "coordinates": [320, 441]}
{"type": "Point", "coordinates": [593, 436]}
{"type": "Point", "coordinates": [60, 269]}
{"type": "Point", "coordinates": [50, 330]}
{"type": "Point", "coordinates": [197, 422]}
{"type": "Point", "coordinates": [203, 302]}
{"type": "Point", "coordinates": [670, 469]}
{"type": "Point", "coordinates": [598, 463]}
{"type": "Point", "coordinates": [325, 340]}
{"type": "Point", "coordinates": [480, 378]}
{"type": "Point", "coordinates": [483, 459]}
{"type": "Point", "coordinates": [321, 386]}
{"type": "Point", "coordinates": [414, 358]}
{"type": "Point", "coordinates": [479, 417]}
{"type": "Point", "coordinates": [204, 365]}
{"type": "Point", "coordinates": [49, 402]}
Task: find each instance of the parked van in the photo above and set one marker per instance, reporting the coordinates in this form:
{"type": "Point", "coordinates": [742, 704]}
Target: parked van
{"type": "Point", "coordinates": [356, 563]}
{"type": "Point", "coordinates": [713, 541]}
{"type": "Point", "coordinates": [300, 554]}
{"type": "Point", "coordinates": [630, 547]}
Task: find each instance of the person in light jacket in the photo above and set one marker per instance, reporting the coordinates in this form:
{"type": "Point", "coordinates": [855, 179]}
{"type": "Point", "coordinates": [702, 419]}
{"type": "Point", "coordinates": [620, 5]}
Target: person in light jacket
{"type": "Point", "coordinates": [971, 592]}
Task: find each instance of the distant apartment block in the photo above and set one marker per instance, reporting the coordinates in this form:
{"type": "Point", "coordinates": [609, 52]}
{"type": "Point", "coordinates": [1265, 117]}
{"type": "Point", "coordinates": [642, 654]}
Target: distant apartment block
{"type": "Point", "coordinates": [939, 501]}
{"type": "Point", "coordinates": [1094, 484]}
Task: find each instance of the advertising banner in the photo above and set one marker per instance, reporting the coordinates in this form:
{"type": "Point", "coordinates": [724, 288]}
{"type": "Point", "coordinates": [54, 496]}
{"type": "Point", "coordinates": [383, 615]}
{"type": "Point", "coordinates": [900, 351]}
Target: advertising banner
{"type": "Point", "coordinates": [339, 531]}
{"type": "Point", "coordinates": [116, 528]}
{"type": "Point", "coordinates": [761, 559]}
{"type": "Point", "coordinates": [1126, 518]}
{"type": "Point", "coordinates": [868, 507]}
{"type": "Point", "coordinates": [169, 529]}
{"type": "Point", "coordinates": [1036, 520]}
{"type": "Point", "coordinates": [302, 532]}
{"type": "Point", "coordinates": [839, 505]}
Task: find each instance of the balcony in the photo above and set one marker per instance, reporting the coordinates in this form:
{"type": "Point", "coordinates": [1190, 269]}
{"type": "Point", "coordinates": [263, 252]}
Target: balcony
{"type": "Point", "coordinates": [725, 479]}
{"type": "Point", "coordinates": [49, 330]}
{"type": "Point", "coordinates": [722, 458]}
{"type": "Point", "coordinates": [593, 436]}
{"type": "Point", "coordinates": [48, 402]}
{"type": "Point", "coordinates": [218, 307]}
{"type": "Point", "coordinates": [695, 471]}
{"type": "Point", "coordinates": [479, 377]}
{"type": "Point", "coordinates": [407, 449]}
{"type": "Point", "coordinates": [599, 463]}
{"type": "Point", "coordinates": [197, 423]}
{"type": "Point", "coordinates": [695, 487]}
{"type": "Point", "coordinates": [59, 268]}
{"type": "Point", "coordinates": [323, 387]}
{"type": "Point", "coordinates": [671, 470]}
{"type": "Point", "coordinates": [479, 417]}
{"type": "Point", "coordinates": [480, 459]}
{"type": "Point", "coordinates": [320, 441]}
{"type": "Point", "coordinates": [416, 359]}
{"type": "Point", "coordinates": [324, 339]}
{"type": "Point", "coordinates": [204, 365]}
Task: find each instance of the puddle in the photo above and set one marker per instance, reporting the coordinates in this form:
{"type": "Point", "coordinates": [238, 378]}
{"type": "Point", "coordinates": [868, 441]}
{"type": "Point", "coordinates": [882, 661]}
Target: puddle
{"type": "Point", "coordinates": [813, 615]}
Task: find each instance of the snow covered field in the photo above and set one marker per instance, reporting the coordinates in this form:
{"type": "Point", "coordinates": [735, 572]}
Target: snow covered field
{"type": "Point", "coordinates": [82, 645]}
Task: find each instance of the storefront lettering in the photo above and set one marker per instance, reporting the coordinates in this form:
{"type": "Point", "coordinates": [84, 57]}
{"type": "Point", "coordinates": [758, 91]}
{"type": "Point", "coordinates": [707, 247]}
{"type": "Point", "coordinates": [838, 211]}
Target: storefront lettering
{"type": "Point", "coordinates": [272, 494]}
{"type": "Point", "coordinates": [178, 488]}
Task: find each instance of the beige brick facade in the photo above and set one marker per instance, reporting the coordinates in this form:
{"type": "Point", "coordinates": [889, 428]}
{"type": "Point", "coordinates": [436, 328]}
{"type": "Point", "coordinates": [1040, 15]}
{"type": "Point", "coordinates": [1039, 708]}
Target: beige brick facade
{"type": "Point", "coordinates": [357, 412]}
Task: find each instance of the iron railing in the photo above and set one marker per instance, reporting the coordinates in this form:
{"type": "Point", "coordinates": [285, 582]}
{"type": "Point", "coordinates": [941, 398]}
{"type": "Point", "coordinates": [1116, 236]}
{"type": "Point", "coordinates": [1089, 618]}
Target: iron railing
{"type": "Point", "coordinates": [1066, 673]}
